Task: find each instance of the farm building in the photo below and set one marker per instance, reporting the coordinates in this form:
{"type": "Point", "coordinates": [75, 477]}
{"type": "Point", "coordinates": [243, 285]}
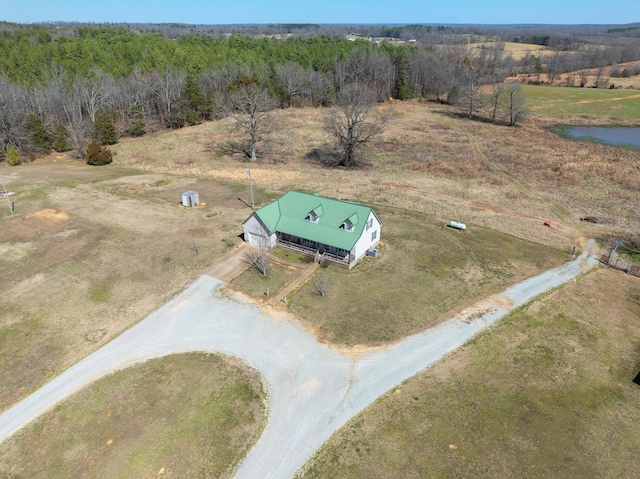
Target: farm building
{"type": "Point", "coordinates": [336, 230]}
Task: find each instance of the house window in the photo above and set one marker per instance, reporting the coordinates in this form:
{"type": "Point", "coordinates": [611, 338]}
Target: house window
{"type": "Point", "coordinates": [374, 235]}
{"type": "Point", "coordinates": [369, 224]}
{"type": "Point", "coordinates": [313, 217]}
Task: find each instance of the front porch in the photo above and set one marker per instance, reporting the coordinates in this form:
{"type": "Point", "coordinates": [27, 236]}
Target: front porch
{"type": "Point", "coordinates": [319, 251]}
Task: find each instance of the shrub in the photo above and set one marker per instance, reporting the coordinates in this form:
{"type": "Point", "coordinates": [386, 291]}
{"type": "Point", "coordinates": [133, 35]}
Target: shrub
{"type": "Point", "coordinates": [98, 155]}
{"type": "Point", "coordinates": [13, 158]}
{"type": "Point", "coordinates": [137, 128]}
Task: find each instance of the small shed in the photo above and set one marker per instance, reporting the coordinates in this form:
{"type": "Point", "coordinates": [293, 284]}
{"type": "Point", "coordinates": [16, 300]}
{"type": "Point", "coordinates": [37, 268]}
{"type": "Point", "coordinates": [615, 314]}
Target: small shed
{"type": "Point", "coordinates": [190, 198]}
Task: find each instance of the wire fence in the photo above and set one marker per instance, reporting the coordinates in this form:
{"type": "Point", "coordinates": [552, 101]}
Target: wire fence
{"type": "Point", "coordinates": [621, 253]}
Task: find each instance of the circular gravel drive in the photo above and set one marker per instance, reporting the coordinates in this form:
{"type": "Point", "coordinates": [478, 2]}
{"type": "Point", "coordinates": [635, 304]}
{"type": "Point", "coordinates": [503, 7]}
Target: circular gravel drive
{"type": "Point", "coordinates": [313, 389]}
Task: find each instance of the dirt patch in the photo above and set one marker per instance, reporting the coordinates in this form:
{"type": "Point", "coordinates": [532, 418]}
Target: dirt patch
{"type": "Point", "coordinates": [49, 214]}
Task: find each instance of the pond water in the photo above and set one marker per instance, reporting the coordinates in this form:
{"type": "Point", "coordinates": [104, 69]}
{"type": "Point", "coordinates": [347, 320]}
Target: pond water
{"type": "Point", "coordinates": [628, 137]}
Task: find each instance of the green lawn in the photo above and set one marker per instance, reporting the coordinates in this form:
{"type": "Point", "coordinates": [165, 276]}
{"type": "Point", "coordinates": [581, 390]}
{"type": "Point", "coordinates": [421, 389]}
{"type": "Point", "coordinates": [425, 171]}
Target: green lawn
{"type": "Point", "coordinates": [558, 102]}
{"type": "Point", "coordinates": [547, 393]}
{"type": "Point", "coordinates": [425, 270]}
{"type": "Point", "coordinates": [193, 415]}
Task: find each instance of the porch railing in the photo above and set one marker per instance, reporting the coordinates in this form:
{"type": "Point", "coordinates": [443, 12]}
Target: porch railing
{"type": "Point", "coordinates": [344, 261]}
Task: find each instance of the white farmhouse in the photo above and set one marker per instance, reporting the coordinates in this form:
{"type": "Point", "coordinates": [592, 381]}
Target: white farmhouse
{"type": "Point", "coordinates": [339, 231]}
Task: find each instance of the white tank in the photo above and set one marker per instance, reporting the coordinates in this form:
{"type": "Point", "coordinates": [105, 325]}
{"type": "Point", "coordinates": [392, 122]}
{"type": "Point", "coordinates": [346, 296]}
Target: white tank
{"type": "Point", "coordinates": [457, 225]}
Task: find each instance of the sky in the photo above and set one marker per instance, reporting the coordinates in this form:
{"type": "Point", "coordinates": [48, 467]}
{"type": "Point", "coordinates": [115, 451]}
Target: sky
{"type": "Point", "coordinates": [328, 11]}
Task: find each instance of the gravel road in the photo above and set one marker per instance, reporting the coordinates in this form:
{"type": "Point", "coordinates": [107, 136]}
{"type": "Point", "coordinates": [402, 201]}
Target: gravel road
{"type": "Point", "coordinates": [313, 389]}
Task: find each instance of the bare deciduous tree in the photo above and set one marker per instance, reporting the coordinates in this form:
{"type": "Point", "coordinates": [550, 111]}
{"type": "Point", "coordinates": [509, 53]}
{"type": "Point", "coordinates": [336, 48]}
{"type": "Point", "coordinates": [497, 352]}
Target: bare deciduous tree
{"type": "Point", "coordinates": [496, 95]}
{"type": "Point", "coordinates": [170, 86]}
{"type": "Point", "coordinates": [66, 102]}
{"type": "Point", "coordinates": [556, 63]}
{"type": "Point", "coordinates": [291, 79]}
{"type": "Point", "coordinates": [516, 105]}
{"type": "Point", "coordinates": [353, 123]}
{"type": "Point", "coordinates": [257, 257]}
{"type": "Point", "coordinates": [470, 80]}
{"type": "Point", "coordinates": [248, 104]}
{"type": "Point", "coordinates": [94, 91]}
{"type": "Point", "coordinates": [319, 89]}
{"type": "Point", "coordinates": [322, 284]}
{"type": "Point", "coordinates": [12, 113]}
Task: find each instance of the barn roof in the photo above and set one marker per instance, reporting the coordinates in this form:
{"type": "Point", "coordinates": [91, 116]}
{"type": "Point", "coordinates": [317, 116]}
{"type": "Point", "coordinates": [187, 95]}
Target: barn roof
{"type": "Point", "coordinates": [290, 214]}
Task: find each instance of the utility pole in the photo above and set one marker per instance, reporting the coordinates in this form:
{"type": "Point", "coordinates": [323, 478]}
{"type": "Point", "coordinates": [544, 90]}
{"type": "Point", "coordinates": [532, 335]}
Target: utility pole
{"type": "Point", "coordinates": [6, 194]}
{"type": "Point", "coordinates": [251, 188]}
{"type": "Point", "coordinates": [613, 251]}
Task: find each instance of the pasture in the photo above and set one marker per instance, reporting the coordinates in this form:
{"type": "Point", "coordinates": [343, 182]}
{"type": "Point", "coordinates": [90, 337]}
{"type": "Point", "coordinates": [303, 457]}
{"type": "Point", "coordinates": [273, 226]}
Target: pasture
{"type": "Point", "coordinates": [583, 103]}
{"type": "Point", "coordinates": [91, 251]}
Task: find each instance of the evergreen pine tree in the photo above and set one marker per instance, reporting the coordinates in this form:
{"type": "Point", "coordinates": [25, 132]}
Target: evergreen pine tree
{"type": "Point", "coordinates": [105, 129]}
{"type": "Point", "coordinates": [195, 102]}
{"type": "Point", "coordinates": [13, 158]}
{"type": "Point", "coordinates": [40, 139]}
{"type": "Point", "coordinates": [61, 139]}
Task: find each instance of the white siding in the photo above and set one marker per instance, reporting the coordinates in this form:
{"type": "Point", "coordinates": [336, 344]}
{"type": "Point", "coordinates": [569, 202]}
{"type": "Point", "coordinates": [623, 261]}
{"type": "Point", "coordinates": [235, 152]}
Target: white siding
{"type": "Point", "coordinates": [365, 242]}
{"type": "Point", "coordinates": [256, 234]}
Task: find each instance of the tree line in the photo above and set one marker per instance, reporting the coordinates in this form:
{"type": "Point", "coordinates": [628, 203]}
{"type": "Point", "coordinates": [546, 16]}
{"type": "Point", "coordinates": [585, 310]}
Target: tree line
{"type": "Point", "coordinates": [106, 82]}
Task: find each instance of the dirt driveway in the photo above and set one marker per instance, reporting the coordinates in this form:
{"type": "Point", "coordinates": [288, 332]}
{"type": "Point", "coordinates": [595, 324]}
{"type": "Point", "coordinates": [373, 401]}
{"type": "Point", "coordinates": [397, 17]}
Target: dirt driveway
{"type": "Point", "coordinates": [231, 264]}
{"type": "Point", "coordinates": [313, 389]}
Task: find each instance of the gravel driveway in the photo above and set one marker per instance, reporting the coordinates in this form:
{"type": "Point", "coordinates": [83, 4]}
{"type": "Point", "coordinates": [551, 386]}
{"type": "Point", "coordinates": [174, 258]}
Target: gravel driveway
{"type": "Point", "coordinates": [313, 389]}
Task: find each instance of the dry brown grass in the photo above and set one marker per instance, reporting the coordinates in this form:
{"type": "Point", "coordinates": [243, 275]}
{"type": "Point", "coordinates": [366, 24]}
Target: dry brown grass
{"type": "Point", "coordinates": [427, 158]}
{"type": "Point", "coordinates": [111, 244]}
{"type": "Point", "coordinates": [90, 252]}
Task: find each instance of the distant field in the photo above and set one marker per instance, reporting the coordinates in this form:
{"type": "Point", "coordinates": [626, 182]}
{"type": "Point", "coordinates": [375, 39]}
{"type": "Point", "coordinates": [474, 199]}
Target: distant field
{"type": "Point", "coordinates": [547, 393]}
{"type": "Point", "coordinates": [516, 50]}
{"type": "Point", "coordinates": [559, 102]}
{"type": "Point", "coordinates": [190, 415]}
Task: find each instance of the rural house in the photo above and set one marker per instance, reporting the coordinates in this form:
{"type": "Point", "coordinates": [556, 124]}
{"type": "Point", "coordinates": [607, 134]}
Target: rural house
{"type": "Point", "coordinates": [333, 230]}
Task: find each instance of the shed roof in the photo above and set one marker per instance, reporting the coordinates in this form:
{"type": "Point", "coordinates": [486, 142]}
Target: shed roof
{"type": "Point", "coordinates": [289, 214]}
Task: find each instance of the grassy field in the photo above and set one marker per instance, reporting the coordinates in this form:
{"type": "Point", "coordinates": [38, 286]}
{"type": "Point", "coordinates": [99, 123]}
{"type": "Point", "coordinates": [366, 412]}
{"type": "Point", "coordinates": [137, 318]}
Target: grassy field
{"type": "Point", "coordinates": [516, 50]}
{"type": "Point", "coordinates": [548, 392]}
{"type": "Point", "coordinates": [425, 270]}
{"type": "Point", "coordinates": [189, 415]}
{"type": "Point", "coordinates": [91, 251]}
{"type": "Point", "coordinates": [590, 103]}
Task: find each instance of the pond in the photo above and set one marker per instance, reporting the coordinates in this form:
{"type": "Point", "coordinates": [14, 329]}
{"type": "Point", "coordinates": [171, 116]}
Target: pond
{"type": "Point", "coordinates": [626, 137]}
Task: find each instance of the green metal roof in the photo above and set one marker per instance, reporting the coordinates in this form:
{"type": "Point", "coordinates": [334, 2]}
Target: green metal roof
{"type": "Point", "coordinates": [289, 213]}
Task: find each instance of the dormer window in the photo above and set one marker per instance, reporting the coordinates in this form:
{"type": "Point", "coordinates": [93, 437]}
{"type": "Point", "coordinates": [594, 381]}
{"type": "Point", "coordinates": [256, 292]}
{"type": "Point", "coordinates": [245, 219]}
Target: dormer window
{"type": "Point", "coordinates": [348, 226]}
{"type": "Point", "coordinates": [315, 214]}
{"type": "Point", "coordinates": [350, 223]}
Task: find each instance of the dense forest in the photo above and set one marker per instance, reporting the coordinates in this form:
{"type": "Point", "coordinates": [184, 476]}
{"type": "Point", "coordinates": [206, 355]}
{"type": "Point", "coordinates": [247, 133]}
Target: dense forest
{"type": "Point", "coordinates": [63, 85]}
